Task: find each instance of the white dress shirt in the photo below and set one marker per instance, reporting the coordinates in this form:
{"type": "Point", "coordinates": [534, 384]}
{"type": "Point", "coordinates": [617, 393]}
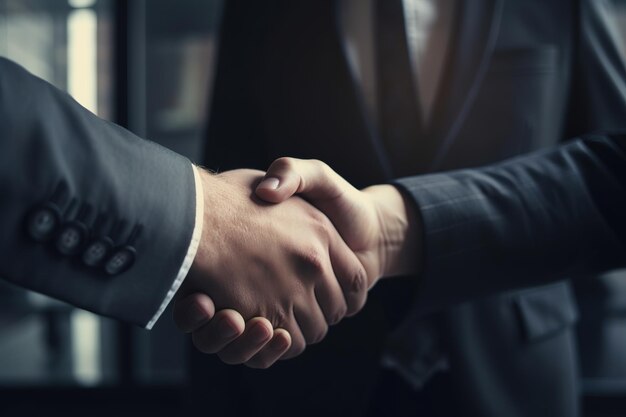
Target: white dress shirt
{"type": "Point", "coordinates": [428, 26]}
{"type": "Point", "coordinates": [191, 251]}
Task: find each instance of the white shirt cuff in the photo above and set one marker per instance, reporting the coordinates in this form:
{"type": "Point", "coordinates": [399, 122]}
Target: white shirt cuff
{"type": "Point", "coordinates": [191, 251]}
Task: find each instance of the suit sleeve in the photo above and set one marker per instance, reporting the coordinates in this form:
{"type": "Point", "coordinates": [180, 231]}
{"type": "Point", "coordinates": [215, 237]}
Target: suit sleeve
{"type": "Point", "coordinates": [89, 213]}
{"type": "Point", "coordinates": [528, 221]}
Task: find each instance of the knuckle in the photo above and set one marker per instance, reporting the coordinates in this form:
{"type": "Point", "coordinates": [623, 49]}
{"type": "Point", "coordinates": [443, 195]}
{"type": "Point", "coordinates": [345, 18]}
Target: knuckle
{"type": "Point", "coordinates": [356, 305]}
{"type": "Point", "coordinates": [298, 345]}
{"type": "Point", "coordinates": [325, 171]}
{"type": "Point", "coordinates": [313, 261]}
{"type": "Point", "coordinates": [280, 316]}
{"type": "Point", "coordinates": [320, 222]}
{"type": "Point", "coordinates": [358, 281]}
{"type": "Point", "coordinates": [297, 348]}
{"type": "Point", "coordinates": [322, 229]}
{"type": "Point", "coordinates": [320, 166]}
{"type": "Point", "coordinates": [339, 313]}
{"type": "Point", "coordinates": [283, 163]}
{"type": "Point", "coordinates": [318, 336]}
{"type": "Point", "coordinates": [356, 291]}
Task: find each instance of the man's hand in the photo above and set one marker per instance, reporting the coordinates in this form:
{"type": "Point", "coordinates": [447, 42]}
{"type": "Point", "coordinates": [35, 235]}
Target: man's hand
{"type": "Point", "coordinates": [255, 343]}
{"type": "Point", "coordinates": [284, 262]}
{"type": "Point", "coordinates": [378, 223]}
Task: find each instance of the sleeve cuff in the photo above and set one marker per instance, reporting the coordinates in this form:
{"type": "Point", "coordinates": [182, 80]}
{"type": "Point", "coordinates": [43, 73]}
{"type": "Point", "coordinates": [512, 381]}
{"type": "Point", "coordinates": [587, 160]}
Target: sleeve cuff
{"type": "Point", "coordinates": [191, 251]}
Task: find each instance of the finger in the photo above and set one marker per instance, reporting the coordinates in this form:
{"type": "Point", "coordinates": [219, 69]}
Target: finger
{"type": "Point", "coordinates": [316, 182]}
{"type": "Point", "coordinates": [257, 334]}
{"type": "Point", "coordinates": [272, 351]}
{"type": "Point", "coordinates": [350, 273]}
{"type": "Point", "coordinates": [329, 296]}
{"type": "Point", "coordinates": [226, 326]}
{"type": "Point", "coordinates": [312, 178]}
{"type": "Point", "coordinates": [311, 320]}
{"type": "Point", "coordinates": [193, 311]}
{"type": "Point", "coordinates": [298, 343]}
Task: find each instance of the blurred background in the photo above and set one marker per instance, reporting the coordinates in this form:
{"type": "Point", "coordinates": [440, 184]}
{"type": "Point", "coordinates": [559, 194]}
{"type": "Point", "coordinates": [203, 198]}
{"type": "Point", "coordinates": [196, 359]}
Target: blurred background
{"type": "Point", "coordinates": [154, 77]}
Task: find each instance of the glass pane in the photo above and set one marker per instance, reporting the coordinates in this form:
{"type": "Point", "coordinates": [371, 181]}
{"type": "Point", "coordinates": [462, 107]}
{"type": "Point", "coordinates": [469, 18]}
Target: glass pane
{"type": "Point", "coordinates": [44, 341]}
{"type": "Point", "coordinates": [70, 44]}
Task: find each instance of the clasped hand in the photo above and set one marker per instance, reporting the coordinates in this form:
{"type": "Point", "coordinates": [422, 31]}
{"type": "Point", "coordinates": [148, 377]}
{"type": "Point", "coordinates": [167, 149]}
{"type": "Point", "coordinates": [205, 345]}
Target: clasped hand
{"type": "Point", "coordinates": [289, 267]}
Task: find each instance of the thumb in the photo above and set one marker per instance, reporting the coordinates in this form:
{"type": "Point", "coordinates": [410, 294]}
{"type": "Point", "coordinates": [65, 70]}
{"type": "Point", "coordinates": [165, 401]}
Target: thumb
{"type": "Point", "coordinates": [311, 178]}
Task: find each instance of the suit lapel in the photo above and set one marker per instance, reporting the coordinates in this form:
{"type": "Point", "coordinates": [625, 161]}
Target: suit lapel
{"type": "Point", "coordinates": [471, 48]}
{"type": "Point", "coordinates": [315, 107]}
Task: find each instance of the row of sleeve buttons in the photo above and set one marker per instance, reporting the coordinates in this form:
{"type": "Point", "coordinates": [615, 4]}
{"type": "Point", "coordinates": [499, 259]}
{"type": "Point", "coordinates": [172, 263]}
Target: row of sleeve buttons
{"type": "Point", "coordinates": [73, 237]}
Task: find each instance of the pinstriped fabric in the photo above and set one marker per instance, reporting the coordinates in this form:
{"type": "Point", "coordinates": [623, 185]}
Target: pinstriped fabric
{"type": "Point", "coordinates": [527, 221]}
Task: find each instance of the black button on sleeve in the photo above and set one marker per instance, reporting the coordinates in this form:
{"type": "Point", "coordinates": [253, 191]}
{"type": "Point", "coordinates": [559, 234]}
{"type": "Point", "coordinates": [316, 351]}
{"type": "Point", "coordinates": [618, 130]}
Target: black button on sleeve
{"type": "Point", "coordinates": [43, 222]}
{"type": "Point", "coordinates": [121, 259]}
{"type": "Point", "coordinates": [71, 238]}
{"type": "Point", "coordinates": [97, 251]}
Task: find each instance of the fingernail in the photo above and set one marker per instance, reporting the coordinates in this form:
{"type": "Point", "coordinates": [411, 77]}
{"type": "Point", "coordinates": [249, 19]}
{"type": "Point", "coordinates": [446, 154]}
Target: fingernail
{"type": "Point", "coordinates": [271, 183]}
{"type": "Point", "coordinates": [226, 328]}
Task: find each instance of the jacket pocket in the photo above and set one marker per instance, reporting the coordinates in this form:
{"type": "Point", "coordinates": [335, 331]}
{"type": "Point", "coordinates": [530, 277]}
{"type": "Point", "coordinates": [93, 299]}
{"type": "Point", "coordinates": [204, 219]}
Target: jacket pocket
{"type": "Point", "coordinates": [546, 311]}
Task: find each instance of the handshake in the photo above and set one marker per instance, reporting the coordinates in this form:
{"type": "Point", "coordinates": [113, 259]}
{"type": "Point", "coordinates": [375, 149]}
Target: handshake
{"type": "Point", "coordinates": [285, 254]}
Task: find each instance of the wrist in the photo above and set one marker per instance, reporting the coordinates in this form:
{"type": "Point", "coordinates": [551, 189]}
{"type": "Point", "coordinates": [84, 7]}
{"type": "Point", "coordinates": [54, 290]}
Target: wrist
{"type": "Point", "coordinates": [399, 245]}
{"type": "Point", "coordinates": [224, 200]}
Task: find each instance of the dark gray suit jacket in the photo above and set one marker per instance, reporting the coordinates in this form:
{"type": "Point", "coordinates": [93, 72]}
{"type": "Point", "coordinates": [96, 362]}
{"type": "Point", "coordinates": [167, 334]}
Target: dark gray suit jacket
{"type": "Point", "coordinates": [523, 76]}
{"type": "Point", "coordinates": [89, 213]}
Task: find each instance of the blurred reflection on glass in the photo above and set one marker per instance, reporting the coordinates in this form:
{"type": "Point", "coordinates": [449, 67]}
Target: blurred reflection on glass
{"type": "Point", "coordinates": [168, 60]}
{"type": "Point", "coordinates": [67, 44]}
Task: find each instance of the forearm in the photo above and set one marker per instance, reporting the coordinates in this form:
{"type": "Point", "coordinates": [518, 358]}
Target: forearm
{"type": "Point", "coordinates": [124, 190]}
{"type": "Point", "coordinates": [527, 221]}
